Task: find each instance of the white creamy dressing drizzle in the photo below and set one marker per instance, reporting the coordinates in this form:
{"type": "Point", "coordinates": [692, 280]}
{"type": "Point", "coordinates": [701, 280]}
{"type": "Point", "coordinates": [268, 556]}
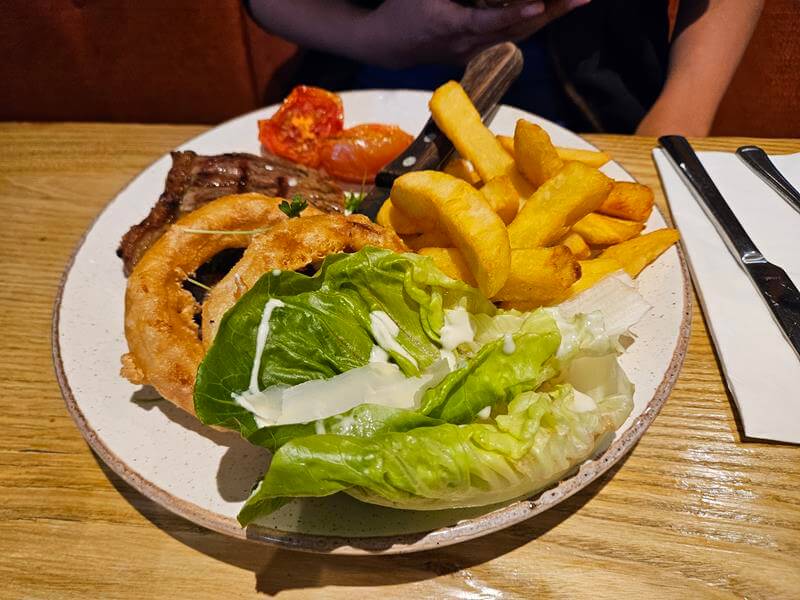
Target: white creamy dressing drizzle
{"type": "Point", "coordinates": [385, 331]}
{"type": "Point", "coordinates": [276, 272]}
{"type": "Point", "coordinates": [378, 355]}
{"type": "Point", "coordinates": [485, 413]}
{"type": "Point", "coordinates": [457, 329]}
{"type": "Point", "coordinates": [508, 344]}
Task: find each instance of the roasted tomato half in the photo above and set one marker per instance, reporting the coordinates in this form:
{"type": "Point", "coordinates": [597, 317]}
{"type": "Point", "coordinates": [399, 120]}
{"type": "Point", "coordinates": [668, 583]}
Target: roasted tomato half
{"type": "Point", "coordinates": [358, 153]}
{"type": "Point", "coordinates": [307, 116]}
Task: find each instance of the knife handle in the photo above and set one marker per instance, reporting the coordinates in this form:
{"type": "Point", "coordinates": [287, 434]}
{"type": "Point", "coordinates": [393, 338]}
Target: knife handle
{"type": "Point", "coordinates": [488, 76]}
{"type": "Point", "coordinates": [760, 163]}
{"type": "Point", "coordinates": [683, 157]}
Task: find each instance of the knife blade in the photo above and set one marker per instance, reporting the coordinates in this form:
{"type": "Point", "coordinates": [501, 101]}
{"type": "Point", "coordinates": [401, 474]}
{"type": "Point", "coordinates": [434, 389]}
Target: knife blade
{"type": "Point", "coordinates": [486, 79]}
{"type": "Point", "coordinates": [776, 288]}
{"type": "Point", "coordinates": [760, 163]}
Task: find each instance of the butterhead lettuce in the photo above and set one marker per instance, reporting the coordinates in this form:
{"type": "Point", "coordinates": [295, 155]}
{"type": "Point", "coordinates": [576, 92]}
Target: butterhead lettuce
{"type": "Point", "coordinates": [367, 395]}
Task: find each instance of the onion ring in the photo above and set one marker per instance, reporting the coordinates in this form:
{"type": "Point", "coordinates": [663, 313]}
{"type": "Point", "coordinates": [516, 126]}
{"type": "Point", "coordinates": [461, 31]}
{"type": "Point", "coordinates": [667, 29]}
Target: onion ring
{"type": "Point", "coordinates": [163, 338]}
{"type": "Point", "coordinates": [291, 246]}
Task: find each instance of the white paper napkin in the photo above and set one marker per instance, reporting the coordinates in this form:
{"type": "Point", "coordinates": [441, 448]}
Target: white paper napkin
{"type": "Point", "coordinates": [761, 368]}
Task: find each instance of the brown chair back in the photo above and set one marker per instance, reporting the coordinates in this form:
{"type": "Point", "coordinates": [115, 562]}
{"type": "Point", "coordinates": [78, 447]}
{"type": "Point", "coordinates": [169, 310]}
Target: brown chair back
{"type": "Point", "coordinates": [134, 60]}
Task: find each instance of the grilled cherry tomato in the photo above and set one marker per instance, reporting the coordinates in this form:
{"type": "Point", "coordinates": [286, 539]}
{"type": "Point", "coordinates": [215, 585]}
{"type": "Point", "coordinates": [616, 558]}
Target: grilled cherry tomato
{"type": "Point", "coordinates": [358, 153]}
{"type": "Point", "coordinates": [306, 117]}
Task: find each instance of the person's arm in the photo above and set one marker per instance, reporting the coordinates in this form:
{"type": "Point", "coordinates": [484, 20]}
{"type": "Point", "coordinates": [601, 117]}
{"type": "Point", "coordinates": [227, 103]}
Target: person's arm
{"type": "Point", "coordinates": [710, 39]}
{"type": "Point", "coordinates": [402, 32]}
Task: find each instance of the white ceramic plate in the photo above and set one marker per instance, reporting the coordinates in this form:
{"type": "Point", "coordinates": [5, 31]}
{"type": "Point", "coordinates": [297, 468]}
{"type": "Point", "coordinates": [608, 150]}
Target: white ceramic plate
{"type": "Point", "coordinates": [204, 475]}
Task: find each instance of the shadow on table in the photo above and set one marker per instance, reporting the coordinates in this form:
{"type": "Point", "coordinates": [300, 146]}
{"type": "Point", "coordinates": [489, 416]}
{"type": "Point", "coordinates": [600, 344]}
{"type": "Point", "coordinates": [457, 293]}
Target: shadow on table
{"type": "Point", "coordinates": [278, 569]}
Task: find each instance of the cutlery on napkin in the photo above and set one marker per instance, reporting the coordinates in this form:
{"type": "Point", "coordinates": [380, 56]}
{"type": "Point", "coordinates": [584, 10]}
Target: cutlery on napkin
{"type": "Point", "coordinates": [761, 368]}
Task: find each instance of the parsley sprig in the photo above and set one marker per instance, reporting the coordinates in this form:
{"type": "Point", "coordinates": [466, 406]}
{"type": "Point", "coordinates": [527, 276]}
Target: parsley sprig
{"type": "Point", "coordinates": [352, 200]}
{"type": "Point", "coordinates": [294, 209]}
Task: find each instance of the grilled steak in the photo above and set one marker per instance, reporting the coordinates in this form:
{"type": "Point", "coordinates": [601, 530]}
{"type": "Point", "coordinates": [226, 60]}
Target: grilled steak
{"type": "Point", "coordinates": [195, 180]}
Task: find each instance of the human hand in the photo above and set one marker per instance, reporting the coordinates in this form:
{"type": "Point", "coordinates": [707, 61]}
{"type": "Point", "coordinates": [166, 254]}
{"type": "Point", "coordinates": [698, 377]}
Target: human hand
{"type": "Point", "coordinates": [401, 33]}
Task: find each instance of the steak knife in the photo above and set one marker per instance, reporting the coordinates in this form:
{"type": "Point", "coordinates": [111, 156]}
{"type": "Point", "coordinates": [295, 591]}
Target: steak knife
{"type": "Point", "coordinates": [775, 286]}
{"type": "Point", "coordinates": [487, 77]}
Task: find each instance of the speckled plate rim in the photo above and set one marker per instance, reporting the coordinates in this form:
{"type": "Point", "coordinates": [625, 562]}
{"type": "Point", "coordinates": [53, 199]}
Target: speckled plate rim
{"type": "Point", "coordinates": [462, 531]}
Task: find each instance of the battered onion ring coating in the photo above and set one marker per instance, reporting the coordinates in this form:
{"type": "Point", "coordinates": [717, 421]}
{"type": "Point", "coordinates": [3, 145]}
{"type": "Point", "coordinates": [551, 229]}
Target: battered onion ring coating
{"type": "Point", "coordinates": [163, 338]}
{"type": "Point", "coordinates": [291, 246]}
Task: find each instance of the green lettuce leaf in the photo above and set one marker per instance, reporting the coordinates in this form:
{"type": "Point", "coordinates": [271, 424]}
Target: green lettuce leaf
{"type": "Point", "coordinates": [323, 327]}
{"type": "Point", "coordinates": [364, 421]}
{"type": "Point", "coordinates": [537, 441]}
{"type": "Point", "coordinates": [494, 375]}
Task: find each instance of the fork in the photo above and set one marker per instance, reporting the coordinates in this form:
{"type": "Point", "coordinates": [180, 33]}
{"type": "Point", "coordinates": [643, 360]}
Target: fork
{"type": "Point", "coordinates": [755, 158]}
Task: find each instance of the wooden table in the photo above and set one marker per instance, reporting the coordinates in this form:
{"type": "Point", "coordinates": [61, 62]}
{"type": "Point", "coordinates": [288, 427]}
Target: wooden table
{"type": "Point", "coordinates": [694, 511]}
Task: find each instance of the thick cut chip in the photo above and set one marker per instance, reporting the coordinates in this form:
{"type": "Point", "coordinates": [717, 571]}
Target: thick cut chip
{"type": "Point", "coordinates": [502, 197]}
{"type": "Point", "coordinates": [389, 216]}
{"type": "Point", "coordinates": [466, 217]}
{"type": "Point", "coordinates": [457, 117]}
{"type": "Point", "coordinates": [591, 158]}
{"type": "Point", "coordinates": [557, 205]}
{"type": "Point", "coordinates": [577, 245]}
{"type": "Point", "coordinates": [451, 263]}
{"type": "Point", "coordinates": [507, 142]}
{"type": "Point", "coordinates": [634, 255]}
{"type": "Point", "coordinates": [628, 200]}
{"type": "Point", "coordinates": [461, 122]}
{"type": "Point", "coordinates": [534, 153]}
{"type": "Point", "coordinates": [601, 230]}
{"type": "Point", "coordinates": [434, 238]}
{"type": "Point", "coordinates": [592, 271]}
{"type": "Point", "coordinates": [463, 169]}
{"type": "Point", "coordinates": [539, 276]}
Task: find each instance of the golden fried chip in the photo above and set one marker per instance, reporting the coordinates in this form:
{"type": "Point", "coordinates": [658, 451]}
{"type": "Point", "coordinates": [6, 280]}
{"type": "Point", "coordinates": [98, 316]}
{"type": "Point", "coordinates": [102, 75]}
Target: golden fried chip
{"type": "Point", "coordinates": [463, 169]}
{"type": "Point", "coordinates": [534, 153]}
{"type": "Point", "coordinates": [601, 230]}
{"type": "Point", "coordinates": [462, 211]}
{"type": "Point", "coordinates": [591, 158]}
{"type": "Point", "coordinates": [435, 238]}
{"type": "Point", "coordinates": [389, 216]}
{"type": "Point", "coordinates": [507, 142]}
{"type": "Point", "coordinates": [634, 255]}
{"type": "Point", "coordinates": [539, 275]}
{"type": "Point", "coordinates": [502, 197]}
{"type": "Point", "coordinates": [628, 200]}
{"type": "Point", "coordinates": [593, 271]}
{"type": "Point", "coordinates": [577, 245]}
{"type": "Point", "coordinates": [557, 205]}
{"type": "Point", "coordinates": [457, 117]}
{"type": "Point", "coordinates": [451, 263]}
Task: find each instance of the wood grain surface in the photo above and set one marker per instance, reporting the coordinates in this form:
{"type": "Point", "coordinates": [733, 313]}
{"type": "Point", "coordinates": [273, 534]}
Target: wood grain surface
{"type": "Point", "coordinates": [694, 511]}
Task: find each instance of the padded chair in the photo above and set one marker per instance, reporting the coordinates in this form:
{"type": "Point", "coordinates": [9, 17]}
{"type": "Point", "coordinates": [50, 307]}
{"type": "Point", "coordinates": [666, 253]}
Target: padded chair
{"type": "Point", "coordinates": [763, 99]}
{"type": "Point", "coordinates": [153, 61]}
{"type": "Point", "coordinates": [181, 61]}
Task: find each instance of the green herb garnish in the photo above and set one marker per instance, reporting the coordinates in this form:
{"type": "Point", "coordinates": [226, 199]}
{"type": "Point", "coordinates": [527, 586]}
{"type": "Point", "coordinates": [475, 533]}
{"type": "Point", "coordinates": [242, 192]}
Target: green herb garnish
{"type": "Point", "coordinates": [294, 209]}
{"type": "Point", "coordinates": [352, 200]}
